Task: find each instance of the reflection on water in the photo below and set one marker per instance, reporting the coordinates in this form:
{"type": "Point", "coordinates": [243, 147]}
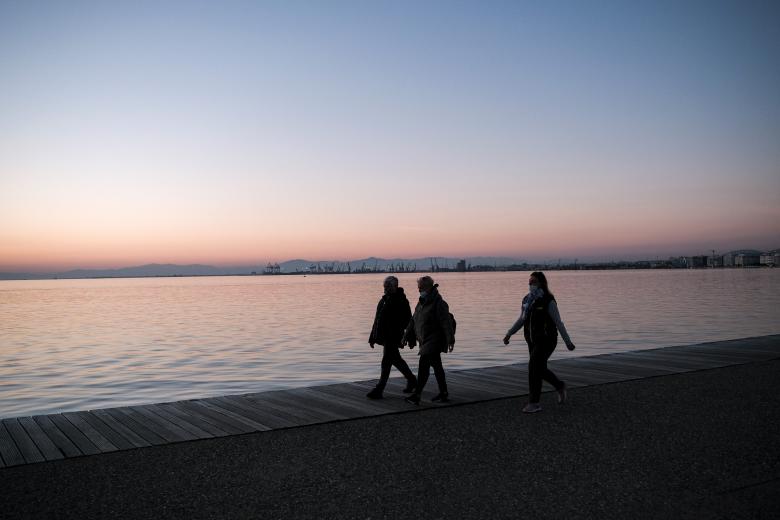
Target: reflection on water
{"type": "Point", "coordinates": [85, 344]}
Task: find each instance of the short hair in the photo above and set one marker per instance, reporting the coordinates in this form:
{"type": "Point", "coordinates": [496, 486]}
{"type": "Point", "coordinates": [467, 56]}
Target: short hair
{"type": "Point", "coordinates": [392, 280]}
{"type": "Point", "coordinates": [426, 282]}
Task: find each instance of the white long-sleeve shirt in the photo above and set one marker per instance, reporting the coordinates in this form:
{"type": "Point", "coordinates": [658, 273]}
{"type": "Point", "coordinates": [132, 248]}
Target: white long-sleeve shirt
{"type": "Point", "coordinates": [552, 310]}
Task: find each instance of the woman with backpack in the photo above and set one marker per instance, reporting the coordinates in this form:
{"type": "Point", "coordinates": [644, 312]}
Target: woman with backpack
{"type": "Point", "coordinates": [541, 323]}
{"type": "Point", "coordinates": [432, 326]}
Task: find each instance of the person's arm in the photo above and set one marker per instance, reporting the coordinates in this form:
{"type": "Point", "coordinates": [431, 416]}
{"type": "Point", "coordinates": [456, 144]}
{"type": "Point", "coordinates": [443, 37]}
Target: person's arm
{"type": "Point", "coordinates": [443, 315]}
{"type": "Point", "coordinates": [410, 337]}
{"type": "Point", "coordinates": [372, 336]}
{"type": "Point", "coordinates": [552, 310]}
{"type": "Point", "coordinates": [518, 324]}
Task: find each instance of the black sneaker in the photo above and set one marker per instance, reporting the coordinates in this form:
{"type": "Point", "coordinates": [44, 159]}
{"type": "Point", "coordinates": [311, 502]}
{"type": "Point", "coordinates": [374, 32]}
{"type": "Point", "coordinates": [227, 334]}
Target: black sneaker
{"type": "Point", "coordinates": [376, 393]}
{"type": "Point", "coordinates": [413, 399]}
{"type": "Point", "coordinates": [443, 397]}
{"type": "Point", "coordinates": [410, 386]}
{"type": "Point", "coordinates": [562, 394]}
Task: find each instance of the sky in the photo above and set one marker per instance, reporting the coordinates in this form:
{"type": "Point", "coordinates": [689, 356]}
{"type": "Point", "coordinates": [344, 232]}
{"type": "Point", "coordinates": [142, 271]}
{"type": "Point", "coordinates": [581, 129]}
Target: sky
{"type": "Point", "coordinates": [233, 133]}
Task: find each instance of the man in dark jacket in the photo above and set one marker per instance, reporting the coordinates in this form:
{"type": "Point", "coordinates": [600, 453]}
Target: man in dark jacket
{"type": "Point", "coordinates": [392, 316]}
{"type": "Point", "coordinates": [432, 328]}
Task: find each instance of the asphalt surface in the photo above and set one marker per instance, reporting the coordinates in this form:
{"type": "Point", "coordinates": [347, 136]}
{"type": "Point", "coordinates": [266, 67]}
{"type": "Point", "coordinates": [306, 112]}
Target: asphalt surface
{"type": "Point", "coordinates": [697, 445]}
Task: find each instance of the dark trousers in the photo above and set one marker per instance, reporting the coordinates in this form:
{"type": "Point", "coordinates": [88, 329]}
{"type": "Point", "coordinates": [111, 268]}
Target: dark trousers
{"type": "Point", "coordinates": [426, 362]}
{"type": "Point", "coordinates": [538, 371]}
{"type": "Point", "coordinates": [392, 358]}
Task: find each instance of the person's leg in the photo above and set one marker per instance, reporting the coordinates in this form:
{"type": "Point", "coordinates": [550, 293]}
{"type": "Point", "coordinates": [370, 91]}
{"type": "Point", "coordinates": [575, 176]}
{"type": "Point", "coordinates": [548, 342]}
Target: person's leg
{"type": "Point", "coordinates": [547, 374]}
{"type": "Point", "coordinates": [387, 363]}
{"type": "Point", "coordinates": [438, 371]}
{"type": "Point", "coordinates": [422, 377]}
{"type": "Point", "coordinates": [423, 372]}
{"type": "Point", "coordinates": [551, 378]}
{"type": "Point", "coordinates": [400, 364]}
{"type": "Point", "coordinates": [536, 367]}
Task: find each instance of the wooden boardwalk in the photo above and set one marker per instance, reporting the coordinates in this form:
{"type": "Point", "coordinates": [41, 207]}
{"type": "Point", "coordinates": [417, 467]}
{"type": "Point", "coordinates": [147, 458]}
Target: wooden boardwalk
{"type": "Point", "coordinates": [27, 440]}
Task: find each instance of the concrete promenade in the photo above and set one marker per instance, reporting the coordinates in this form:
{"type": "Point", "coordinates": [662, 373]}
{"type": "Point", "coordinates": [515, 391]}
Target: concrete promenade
{"type": "Point", "coordinates": [700, 444]}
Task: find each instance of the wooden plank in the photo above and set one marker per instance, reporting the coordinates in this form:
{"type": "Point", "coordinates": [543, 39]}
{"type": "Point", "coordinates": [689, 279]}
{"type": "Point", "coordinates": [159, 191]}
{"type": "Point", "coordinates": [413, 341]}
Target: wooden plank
{"type": "Point", "coordinates": [90, 433]}
{"type": "Point", "coordinates": [506, 377]}
{"type": "Point", "coordinates": [23, 441]}
{"type": "Point", "coordinates": [723, 356]}
{"type": "Point", "coordinates": [298, 406]}
{"type": "Point", "coordinates": [476, 390]}
{"type": "Point", "coordinates": [392, 395]}
{"type": "Point", "coordinates": [746, 353]}
{"type": "Point", "coordinates": [138, 428]}
{"type": "Point", "coordinates": [226, 423]}
{"type": "Point", "coordinates": [181, 423]}
{"type": "Point", "coordinates": [253, 411]}
{"type": "Point", "coordinates": [155, 427]}
{"type": "Point", "coordinates": [136, 440]}
{"type": "Point", "coordinates": [348, 394]}
{"type": "Point", "coordinates": [57, 437]}
{"type": "Point", "coordinates": [304, 399]}
{"type": "Point", "coordinates": [624, 366]}
{"type": "Point", "coordinates": [8, 450]}
{"type": "Point", "coordinates": [182, 413]}
{"type": "Point", "coordinates": [48, 449]}
{"type": "Point", "coordinates": [76, 437]}
{"type": "Point", "coordinates": [178, 434]}
{"type": "Point", "coordinates": [575, 376]}
{"type": "Point", "coordinates": [299, 414]}
{"type": "Point", "coordinates": [299, 419]}
{"type": "Point", "coordinates": [239, 417]}
{"type": "Point", "coordinates": [675, 361]}
{"type": "Point", "coordinates": [596, 370]}
{"type": "Point", "coordinates": [484, 382]}
{"type": "Point", "coordinates": [116, 438]}
{"type": "Point", "coordinates": [683, 362]}
{"type": "Point", "coordinates": [317, 398]}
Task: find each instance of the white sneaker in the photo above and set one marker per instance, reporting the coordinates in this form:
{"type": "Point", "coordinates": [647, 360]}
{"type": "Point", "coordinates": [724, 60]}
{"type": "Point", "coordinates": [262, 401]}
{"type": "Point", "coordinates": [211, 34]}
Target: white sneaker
{"type": "Point", "coordinates": [532, 408]}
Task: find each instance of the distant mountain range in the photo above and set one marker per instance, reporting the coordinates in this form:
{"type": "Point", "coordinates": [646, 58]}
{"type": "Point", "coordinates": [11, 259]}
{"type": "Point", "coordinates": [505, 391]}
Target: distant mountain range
{"type": "Point", "coordinates": [290, 266]}
{"type": "Point", "coordinates": [295, 266]}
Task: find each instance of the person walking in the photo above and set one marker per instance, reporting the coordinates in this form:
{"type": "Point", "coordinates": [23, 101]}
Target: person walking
{"type": "Point", "coordinates": [541, 323]}
{"type": "Point", "coordinates": [432, 327]}
{"type": "Point", "coordinates": [392, 315]}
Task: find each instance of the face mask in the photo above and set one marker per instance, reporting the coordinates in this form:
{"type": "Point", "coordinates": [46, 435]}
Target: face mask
{"type": "Point", "coordinates": [532, 288]}
{"type": "Point", "coordinates": [423, 294]}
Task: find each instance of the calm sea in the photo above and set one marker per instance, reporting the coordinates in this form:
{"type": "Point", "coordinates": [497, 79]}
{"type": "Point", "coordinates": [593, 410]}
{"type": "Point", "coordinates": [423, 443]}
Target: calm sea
{"type": "Point", "coordinates": [86, 344]}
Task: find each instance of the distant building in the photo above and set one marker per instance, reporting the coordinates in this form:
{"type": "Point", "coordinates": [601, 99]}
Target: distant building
{"type": "Point", "coordinates": [728, 259]}
{"type": "Point", "coordinates": [770, 259]}
{"type": "Point", "coordinates": [694, 262]}
{"type": "Point", "coordinates": [460, 266]}
{"type": "Point", "coordinates": [715, 261]}
{"type": "Point", "coordinates": [747, 260]}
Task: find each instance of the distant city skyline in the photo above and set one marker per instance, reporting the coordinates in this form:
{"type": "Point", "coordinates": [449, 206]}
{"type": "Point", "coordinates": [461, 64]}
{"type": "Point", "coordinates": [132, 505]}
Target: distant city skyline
{"type": "Point", "coordinates": [417, 264]}
{"type": "Point", "coordinates": [240, 132]}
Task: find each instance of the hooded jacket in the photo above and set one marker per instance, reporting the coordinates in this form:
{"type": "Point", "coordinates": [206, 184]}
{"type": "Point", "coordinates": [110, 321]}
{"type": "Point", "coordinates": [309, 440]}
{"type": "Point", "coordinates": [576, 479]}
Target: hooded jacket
{"type": "Point", "coordinates": [430, 325]}
{"type": "Point", "coordinates": [392, 316]}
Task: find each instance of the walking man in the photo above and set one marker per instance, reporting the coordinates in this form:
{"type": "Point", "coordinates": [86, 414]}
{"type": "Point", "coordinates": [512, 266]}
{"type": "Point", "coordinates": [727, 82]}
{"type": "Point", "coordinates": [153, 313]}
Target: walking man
{"type": "Point", "coordinates": [392, 315]}
{"type": "Point", "coordinates": [431, 327]}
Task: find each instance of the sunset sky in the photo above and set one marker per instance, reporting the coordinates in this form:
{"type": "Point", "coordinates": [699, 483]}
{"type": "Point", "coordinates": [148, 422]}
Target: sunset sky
{"type": "Point", "coordinates": [233, 133]}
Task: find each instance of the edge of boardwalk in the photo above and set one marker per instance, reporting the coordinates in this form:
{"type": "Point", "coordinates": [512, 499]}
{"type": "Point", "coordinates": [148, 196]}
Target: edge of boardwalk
{"type": "Point", "coordinates": [37, 439]}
